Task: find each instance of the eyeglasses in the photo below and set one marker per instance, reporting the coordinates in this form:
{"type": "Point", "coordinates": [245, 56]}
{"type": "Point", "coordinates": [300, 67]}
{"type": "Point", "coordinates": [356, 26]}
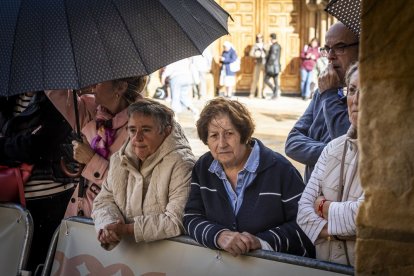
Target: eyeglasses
{"type": "Point", "coordinates": [338, 49]}
{"type": "Point", "coordinates": [352, 91]}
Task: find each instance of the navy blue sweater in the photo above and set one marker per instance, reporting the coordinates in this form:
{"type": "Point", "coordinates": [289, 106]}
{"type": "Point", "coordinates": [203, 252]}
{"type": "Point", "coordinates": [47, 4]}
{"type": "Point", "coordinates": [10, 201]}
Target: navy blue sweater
{"type": "Point", "coordinates": [325, 119]}
{"type": "Point", "coordinates": [229, 57]}
{"type": "Point", "coordinates": [268, 210]}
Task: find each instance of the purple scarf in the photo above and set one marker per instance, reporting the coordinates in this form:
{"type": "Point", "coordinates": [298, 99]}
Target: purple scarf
{"type": "Point", "coordinates": [105, 135]}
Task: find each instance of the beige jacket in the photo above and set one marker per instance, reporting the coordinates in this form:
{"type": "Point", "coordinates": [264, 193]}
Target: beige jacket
{"type": "Point", "coordinates": [166, 174]}
{"type": "Point", "coordinates": [325, 180]}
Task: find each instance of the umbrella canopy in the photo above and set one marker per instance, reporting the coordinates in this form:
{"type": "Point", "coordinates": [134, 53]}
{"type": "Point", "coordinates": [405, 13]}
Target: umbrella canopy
{"type": "Point", "coordinates": [348, 12]}
{"type": "Point", "coordinates": [71, 44]}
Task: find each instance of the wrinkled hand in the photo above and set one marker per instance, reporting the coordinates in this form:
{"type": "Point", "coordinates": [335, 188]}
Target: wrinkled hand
{"type": "Point", "coordinates": [108, 237]}
{"type": "Point", "coordinates": [82, 151]}
{"type": "Point", "coordinates": [328, 79]}
{"type": "Point", "coordinates": [113, 233]}
{"type": "Point", "coordinates": [237, 243]}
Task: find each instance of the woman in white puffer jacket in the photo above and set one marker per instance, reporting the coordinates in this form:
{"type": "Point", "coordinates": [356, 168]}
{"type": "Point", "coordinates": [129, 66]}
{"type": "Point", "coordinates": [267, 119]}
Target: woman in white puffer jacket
{"type": "Point", "coordinates": [148, 181]}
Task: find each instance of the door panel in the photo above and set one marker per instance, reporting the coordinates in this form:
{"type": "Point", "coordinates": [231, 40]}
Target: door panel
{"type": "Point", "coordinates": [265, 16]}
{"type": "Point", "coordinates": [282, 18]}
{"type": "Point", "coordinates": [242, 33]}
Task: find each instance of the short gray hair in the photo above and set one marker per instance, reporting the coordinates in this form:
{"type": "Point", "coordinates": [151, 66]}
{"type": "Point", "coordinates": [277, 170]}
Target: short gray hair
{"type": "Point", "coordinates": [148, 107]}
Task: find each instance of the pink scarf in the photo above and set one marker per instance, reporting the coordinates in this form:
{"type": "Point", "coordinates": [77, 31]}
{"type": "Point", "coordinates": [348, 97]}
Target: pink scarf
{"type": "Point", "coordinates": [105, 136]}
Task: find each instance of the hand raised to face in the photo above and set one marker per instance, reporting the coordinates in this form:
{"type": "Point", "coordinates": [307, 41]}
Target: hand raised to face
{"type": "Point", "coordinates": [328, 79]}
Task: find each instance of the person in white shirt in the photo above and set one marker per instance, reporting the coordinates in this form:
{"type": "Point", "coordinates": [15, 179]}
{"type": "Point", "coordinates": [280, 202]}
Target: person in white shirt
{"type": "Point", "coordinates": [329, 204]}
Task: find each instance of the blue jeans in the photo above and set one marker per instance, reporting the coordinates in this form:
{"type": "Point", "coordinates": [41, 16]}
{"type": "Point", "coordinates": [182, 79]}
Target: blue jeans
{"type": "Point", "coordinates": [181, 88]}
{"type": "Point", "coordinates": [305, 81]}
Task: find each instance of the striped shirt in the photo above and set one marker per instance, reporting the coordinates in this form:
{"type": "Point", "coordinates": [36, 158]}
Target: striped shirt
{"type": "Point", "coordinates": [324, 180]}
{"type": "Point", "coordinates": [22, 102]}
{"type": "Point", "coordinates": [44, 187]}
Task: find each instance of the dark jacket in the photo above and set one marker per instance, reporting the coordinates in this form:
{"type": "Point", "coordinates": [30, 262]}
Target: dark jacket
{"type": "Point", "coordinates": [268, 210]}
{"type": "Point", "coordinates": [326, 118]}
{"type": "Point", "coordinates": [272, 67]}
{"type": "Point", "coordinates": [229, 57]}
{"type": "Point", "coordinates": [44, 148]}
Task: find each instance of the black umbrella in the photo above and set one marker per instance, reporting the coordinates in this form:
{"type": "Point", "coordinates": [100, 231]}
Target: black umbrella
{"type": "Point", "coordinates": [348, 12]}
{"type": "Point", "coordinates": [71, 44]}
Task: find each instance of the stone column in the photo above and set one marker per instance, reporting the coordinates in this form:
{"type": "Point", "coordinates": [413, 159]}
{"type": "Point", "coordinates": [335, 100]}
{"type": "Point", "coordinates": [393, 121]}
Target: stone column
{"type": "Point", "coordinates": [323, 26]}
{"type": "Point", "coordinates": [311, 23]}
{"type": "Point", "coordinates": [322, 20]}
{"type": "Point", "coordinates": [385, 244]}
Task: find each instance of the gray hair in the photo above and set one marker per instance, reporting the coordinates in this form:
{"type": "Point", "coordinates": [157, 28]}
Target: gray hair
{"type": "Point", "coordinates": [148, 107]}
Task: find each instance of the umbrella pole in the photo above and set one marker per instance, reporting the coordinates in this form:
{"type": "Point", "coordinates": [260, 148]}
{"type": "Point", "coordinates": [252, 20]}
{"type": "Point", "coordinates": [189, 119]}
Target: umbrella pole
{"type": "Point", "coordinates": [81, 190]}
{"type": "Point", "coordinates": [75, 105]}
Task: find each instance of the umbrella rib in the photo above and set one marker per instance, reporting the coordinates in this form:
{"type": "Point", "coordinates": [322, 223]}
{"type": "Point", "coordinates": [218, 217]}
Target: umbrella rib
{"type": "Point", "coordinates": [188, 36]}
{"type": "Point", "coordinates": [71, 42]}
{"type": "Point", "coordinates": [130, 34]}
{"type": "Point", "coordinates": [12, 54]}
{"type": "Point", "coordinates": [214, 3]}
{"type": "Point", "coordinates": [202, 25]}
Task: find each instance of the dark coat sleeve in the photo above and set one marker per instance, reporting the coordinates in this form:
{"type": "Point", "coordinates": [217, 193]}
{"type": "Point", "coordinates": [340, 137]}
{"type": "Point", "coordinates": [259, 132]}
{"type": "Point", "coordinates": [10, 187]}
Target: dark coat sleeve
{"type": "Point", "coordinates": [305, 149]}
{"type": "Point", "coordinates": [273, 60]}
{"type": "Point", "coordinates": [44, 132]}
{"type": "Point", "coordinates": [196, 225]}
{"type": "Point", "coordinates": [288, 237]}
{"type": "Point", "coordinates": [299, 146]}
{"type": "Point", "coordinates": [335, 111]}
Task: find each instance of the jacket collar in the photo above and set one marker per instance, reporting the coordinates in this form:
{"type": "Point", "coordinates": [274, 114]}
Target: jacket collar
{"type": "Point", "coordinates": [120, 119]}
{"type": "Point", "coordinates": [267, 158]}
{"type": "Point", "coordinates": [175, 141]}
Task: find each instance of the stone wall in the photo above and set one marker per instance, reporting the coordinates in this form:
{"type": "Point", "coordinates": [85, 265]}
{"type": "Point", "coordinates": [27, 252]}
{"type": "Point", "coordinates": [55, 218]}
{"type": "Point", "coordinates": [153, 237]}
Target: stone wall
{"type": "Point", "coordinates": [385, 244]}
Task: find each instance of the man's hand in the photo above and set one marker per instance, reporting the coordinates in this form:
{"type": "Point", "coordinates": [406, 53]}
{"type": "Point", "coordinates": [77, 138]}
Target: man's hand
{"type": "Point", "coordinates": [237, 243]}
{"type": "Point", "coordinates": [82, 152]}
{"type": "Point", "coordinates": [328, 79]}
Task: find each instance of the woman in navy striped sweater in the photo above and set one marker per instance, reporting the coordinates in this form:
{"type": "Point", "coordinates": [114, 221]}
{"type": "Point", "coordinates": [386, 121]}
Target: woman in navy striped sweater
{"type": "Point", "coordinates": [243, 195]}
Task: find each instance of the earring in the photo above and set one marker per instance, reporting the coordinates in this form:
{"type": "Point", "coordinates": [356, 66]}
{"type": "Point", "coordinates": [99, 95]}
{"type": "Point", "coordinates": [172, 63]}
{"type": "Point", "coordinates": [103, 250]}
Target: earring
{"type": "Point", "coordinates": [117, 96]}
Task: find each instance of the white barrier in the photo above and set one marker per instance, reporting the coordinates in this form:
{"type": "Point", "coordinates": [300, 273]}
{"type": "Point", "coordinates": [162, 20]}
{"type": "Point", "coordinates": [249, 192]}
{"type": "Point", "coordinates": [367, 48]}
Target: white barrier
{"type": "Point", "coordinates": [76, 251]}
{"type": "Point", "coordinates": [16, 231]}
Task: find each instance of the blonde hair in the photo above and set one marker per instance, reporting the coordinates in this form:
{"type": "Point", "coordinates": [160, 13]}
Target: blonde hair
{"type": "Point", "coordinates": [351, 70]}
{"type": "Point", "coordinates": [135, 87]}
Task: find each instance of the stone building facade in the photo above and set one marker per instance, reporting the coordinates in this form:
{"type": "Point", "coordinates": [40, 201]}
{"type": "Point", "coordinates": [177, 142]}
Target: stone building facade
{"type": "Point", "coordinates": [294, 21]}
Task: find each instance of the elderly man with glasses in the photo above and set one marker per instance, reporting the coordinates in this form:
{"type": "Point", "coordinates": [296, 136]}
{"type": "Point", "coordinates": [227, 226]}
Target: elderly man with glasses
{"type": "Point", "coordinates": [326, 117]}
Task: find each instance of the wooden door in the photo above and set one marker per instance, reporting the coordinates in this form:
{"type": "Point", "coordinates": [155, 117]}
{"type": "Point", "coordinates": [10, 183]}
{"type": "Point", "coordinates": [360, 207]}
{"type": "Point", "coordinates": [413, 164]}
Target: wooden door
{"type": "Point", "coordinates": [282, 17]}
{"type": "Point", "coordinates": [242, 34]}
{"type": "Point", "coordinates": [264, 16]}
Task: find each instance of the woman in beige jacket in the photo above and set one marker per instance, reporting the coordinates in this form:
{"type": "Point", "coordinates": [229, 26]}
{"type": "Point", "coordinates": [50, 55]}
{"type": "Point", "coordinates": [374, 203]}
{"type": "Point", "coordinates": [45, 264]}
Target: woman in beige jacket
{"type": "Point", "coordinates": [148, 181]}
{"type": "Point", "coordinates": [330, 201]}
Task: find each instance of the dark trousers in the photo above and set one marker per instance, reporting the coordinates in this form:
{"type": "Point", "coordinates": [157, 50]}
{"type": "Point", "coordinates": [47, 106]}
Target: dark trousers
{"type": "Point", "coordinates": [47, 212]}
{"type": "Point", "coordinates": [275, 85]}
